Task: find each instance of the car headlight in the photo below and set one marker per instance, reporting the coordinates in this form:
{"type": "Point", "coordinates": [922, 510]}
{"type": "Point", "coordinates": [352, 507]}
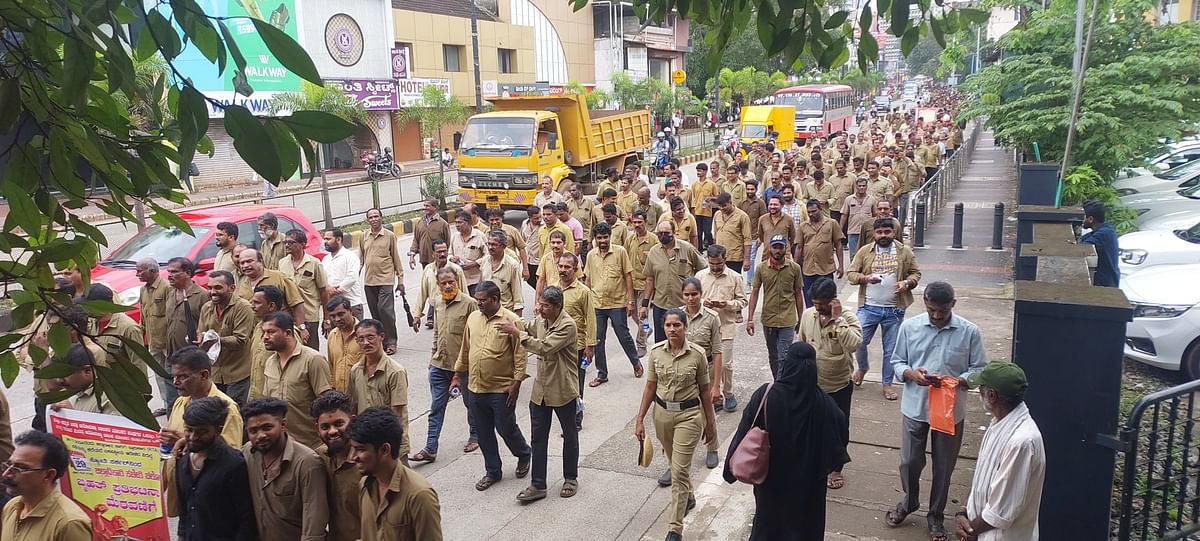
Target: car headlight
{"type": "Point", "coordinates": [1160, 311]}
{"type": "Point", "coordinates": [130, 297]}
{"type": "Point", "coordinates": [1126, 191]}
{"type": "Point", "coordinates": [1133, 256]}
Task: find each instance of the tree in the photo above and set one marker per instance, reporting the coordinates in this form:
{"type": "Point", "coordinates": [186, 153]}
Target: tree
{"type": "Point", "coordinates": [596, 98]}
{"type": "Point", "coordinates": [745, 51]}
{"type": "Point", "coordinates": [923, 60]}
{"type": "Point", "coordinates": [61, 128]}
{"type": "Point", "coordinates": [1143, 84]}
{"type": "Point", "coordinates": [435, 110]}
{"type": "Point", "coordinates": [863, 83]}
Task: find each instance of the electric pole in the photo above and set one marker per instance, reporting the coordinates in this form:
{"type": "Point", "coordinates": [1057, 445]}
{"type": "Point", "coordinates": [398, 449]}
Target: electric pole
{"type": "Point", "coordinates": [475, 53]}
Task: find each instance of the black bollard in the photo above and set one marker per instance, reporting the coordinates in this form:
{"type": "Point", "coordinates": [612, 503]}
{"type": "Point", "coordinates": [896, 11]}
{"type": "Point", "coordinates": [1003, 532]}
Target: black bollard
{"type": "Point", "coordinates": [958, 225]}
{"type": "Point", "coordinates": [919, 228]}
{"type": "Point", "coordinates": [998, 227]}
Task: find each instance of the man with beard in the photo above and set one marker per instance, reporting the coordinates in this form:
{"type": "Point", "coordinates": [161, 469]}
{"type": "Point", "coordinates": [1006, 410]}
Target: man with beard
{"type": "Point", "coordinates": [342, 269]}
{"type": "Point", "coordinates": [334, 411]}
{"type": "Point", "coordinates": [638, 245]}
{"type": "Point", "coordinates": [265, 300]}
{"type": "Point", "coordinates": [856, 210]}
{"type": "Point", "coordinates": [609, 273]}
{"type": "Point", "coordinates": [256, 275]}
{"type": "Point", "coordinates": [343, 348]}
{"type": "Point", "coordinates": [684, 222]}
{"type": "Point", "coordinates": [819, 243]}
{"type": "Point", "coordinates": [211, 482]}
{"type": "Point", "coordinates": [723, 292]}
{"type": "Point", "coordinates": [272, 247]}
{"type": "Point", "coordinates": [191, 368]}
{"type": "Point", "coordinates": [294, 373]}
{"type": "Point", "coordinates": [579, 303]}
{"type": "Point", "coordinates": [503, 270]}
{"type": "Point", "coordinates": [776, 224]}
{"type": "Point", "coordinates": [782, 284]}
{"type": "Point", "coordinates": [181, 309]}
{"type": "Point", "coordinates": [310, 280]}
{"type": "Point", "coordinates": [383, 274]}
{"type": "Point", "coordinates": [390, 494]}
{"type": "Point", "coordinates": [429, 228]}
{"type": "Point", "coordinates": [377, 380]}
{"type": "Point", "coordinates": [667, 264]}
{"type": "Point", "coordinates": [792, 206]}
{"type": "Point", "coordinates": [38, 511]}
{"type": "Point", "coordinates": [883, 209]}
{"type": "Point", "coordinates": [427, 295]}
{"type": "Point", "coordinates": [233, 320]}
{"type": "Point", "coordinates": [288, 486]}
{"type": "Point", "coordinates": [225, 237]}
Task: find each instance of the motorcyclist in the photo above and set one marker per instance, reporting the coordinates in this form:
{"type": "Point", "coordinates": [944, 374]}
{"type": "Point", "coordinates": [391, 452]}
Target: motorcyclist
{"type": "Point", "coordinates": [670, 135]}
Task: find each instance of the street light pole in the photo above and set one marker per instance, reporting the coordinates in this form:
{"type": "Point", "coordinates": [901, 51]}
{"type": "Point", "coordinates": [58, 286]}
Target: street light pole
{"type": "Point", "coordinates": [475, 53]}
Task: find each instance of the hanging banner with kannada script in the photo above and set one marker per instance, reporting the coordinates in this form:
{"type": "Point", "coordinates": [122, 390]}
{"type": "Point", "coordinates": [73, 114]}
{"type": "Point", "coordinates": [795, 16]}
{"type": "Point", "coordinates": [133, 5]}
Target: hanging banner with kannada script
{"type": "Point", "coordinates": [114, 474]}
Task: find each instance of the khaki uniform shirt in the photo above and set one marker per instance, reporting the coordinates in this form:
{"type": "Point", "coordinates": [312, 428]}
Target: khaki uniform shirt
{"type": "Point", "coordinates": [557, 380]}
{"type": "Point", "coordinates": [835, 344]}
{"type": "Point", "coordinates": [880, 188]}
{"type": "Point", "coordinates": [580, 303]}
{"type": "Point", "coordinates": [471, 248]}
{"type": "Point", "coordinates": [701, 191]}
{"type": "Point", "coordinates": [825, 193]}
{"type": "Point", "coordinates": [235, 326]}
{"type": "Point", "coordinates": [425, 231]}
{"type": "Point", "coordinates": [867, 233]}
{"type": "Point", "coordinates": [856, 211]}
{"type": "Point", "coordinates": [619, 232]}
{"type": "Point", "coordinates": [606, 276]}
{"type": "Point", "coordinates": [541, 199]}
{"type": "Point", "coordinates": [231, 432]}
{"type": "Point", "coordinates": [704, 330]}
{"type": "Point", "coordinates": [906, 269]}
{"type": "Point", "coordinates": [734, 232]}
{"type": "Point", "coordinates": [291, 293]}
{"type": "Point", "coordinates": [380, 258]}
{"type": "Point", "coordinates": [638, 249]}
{"type": "Point", "coordinates": [669, 272]}
{"type": "Point", "coordinates": [87, 400]}
{"type": "Point", "coordinates": [258, 361]}
{"type": "Point", "coordinates": [818, 243]}
{"type": "Point", "coordinates": [779, 289]}
{"type": "Point", "coordinates": [343, 481]}
{"type": "Point", "coordinates": [735, 188]}
{"type": "Point", "coordinates": [730, 287]}
{"type": "Point", "coordinates": [344, 352]}
{"type": "Point", "coordinates": [755, 209]}
{"type": "Point", "coordinates": [653, 213]}
{"type": "Point", "coordinates": [516, 240]}
{"type": "Point", "coordinates": [291, 500]}
{"type": "Point", "coordinates": [449, 320]}
{"type": "Point", "coordinates": [177, 315]}
{"type": "Point", "coordinates": [273, 250]}
{"type": "Point", "coordinates": [678, 377]}
{"type": "Point", "coordinates": [544, 237]}
{"type": "Point", "coordinates": [548, 269]}
{"type": "Point", "coordinates": [411, 512]}
{"type": "Point", "coordinates": [533, 247]}
{"type": "Point", "coordinates": [112, 346]}
{"type": "Point", "coordinates": [843, 186]}
{"type": "Point", "coordinates": [310, 281]}
{"type": "Point", "coordinates": [387, 387]}
{"type": "Point", "coordinates": [626, 201]}
{"type": "Point", "coordinates": [493, 360]}
{"type": "Point", "coordinates": [685, 228]}
{"type": "Point", "coordinates": [508, 278]}
{"type": "Point", "coordinates": [225, 262]}
{"type": "Point", "coordinates": [55, 518]}
{"type": "Point", "coordinates": [429, 288]}
{"type": "Point", "coordinates": [303, 378]}
{"type": "Point", "coordinates": [153, 302]}
{"type": "Point", "coordinates": [583, 210]}
{"type": "Point", "coordinates": [768, 227]}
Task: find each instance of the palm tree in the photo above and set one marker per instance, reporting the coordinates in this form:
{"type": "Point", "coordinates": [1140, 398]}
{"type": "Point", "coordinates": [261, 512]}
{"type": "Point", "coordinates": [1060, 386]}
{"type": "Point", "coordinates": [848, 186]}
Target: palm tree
{"type": "Point", "coordinates": [434, 110]}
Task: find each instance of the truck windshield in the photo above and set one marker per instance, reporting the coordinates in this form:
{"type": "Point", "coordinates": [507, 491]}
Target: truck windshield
{"type": "Point", "coordinates": [498, 134]}
{"type": "Point", "coordinates": [803, 101]}
{"type": "Point", "coordinates": [750, 131]}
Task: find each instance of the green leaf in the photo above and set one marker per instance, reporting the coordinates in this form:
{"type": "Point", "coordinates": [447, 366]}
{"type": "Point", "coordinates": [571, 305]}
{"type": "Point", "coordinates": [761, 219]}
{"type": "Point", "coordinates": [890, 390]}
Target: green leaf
{"type": "Point", "coordinates": [239, 61]}
{"type": "Point", "coordinates": [766, 23]}
{"type": "Point", "coordinates": [319, 126]}
{"type": "Point", "coordinates": [310, 157]}
{"type": "Point", "coordinates": [23, 315]}
{"type": "Point", "coordinates": [974, 16]}
{"type": "Point", "coordinates": [63, 249]}
{"type": "Point", "coordinates": [285, 147]}
{"type": "Point", "coordinates": [252, 143]}
{"type": "Point", "coordinates": [22, 212]}
{"type": "Point", "coordinates": [168, 219]}
{"type": "Point", "coordinates": [125, 394]}
{"type": "Point", "coordinates": [54, 370]}
{"type": "Point", "coordinates": [193, 123]}
{"type": "Point", "coordinates": [60, 339]}
{"type": "Point", "coordinates": [78, 61]}
{"type": "Point", "coordinates": [910, 39]}
{"type": "Point", "coordinates": [52, 397]}
{"type": "Point", "coordinates": [899, 16]}
{"type": "Point", "coordinates": [288, 52]}
{"type": "Point", "coordinates": [868, 45]}
{"type": "Point", "coordinates": [864, 26]}
{"type": "Point", "coordinates": [101, 308]}
{"type": "Point", "coordinates": [836, 19]}
{"type": "Point", "coordinates": [935, 27]}
{"type": "Point", "coordinates": [9, 367]}
{"type": "Point", "coordinates": [164, 34]}
{"type": "Point", "coordinates": [142, 353]}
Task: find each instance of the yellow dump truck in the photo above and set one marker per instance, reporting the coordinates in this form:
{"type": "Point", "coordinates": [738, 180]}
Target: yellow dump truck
{"type": "Point", "coordinates": [760, 121]}
{"type": "Point", "coordinates": [505, 153]}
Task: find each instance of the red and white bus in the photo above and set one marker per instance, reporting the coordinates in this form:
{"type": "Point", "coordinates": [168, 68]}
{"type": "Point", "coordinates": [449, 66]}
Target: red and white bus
{"type": "Point", "coordinates": [821, 110]}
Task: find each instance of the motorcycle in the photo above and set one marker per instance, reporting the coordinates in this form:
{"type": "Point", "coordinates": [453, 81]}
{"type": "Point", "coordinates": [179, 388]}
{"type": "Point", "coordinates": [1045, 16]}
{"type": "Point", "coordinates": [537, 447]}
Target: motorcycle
{"type": "Point", "coordinates": [729, 142]}
{"type": "Point", "coordinates": [379, 167]}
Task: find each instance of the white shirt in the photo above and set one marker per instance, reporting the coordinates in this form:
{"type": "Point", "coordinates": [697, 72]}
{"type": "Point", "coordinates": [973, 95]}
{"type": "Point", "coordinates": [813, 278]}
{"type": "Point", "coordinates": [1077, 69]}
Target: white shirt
{"type": "Point", "coordinates": [1007, 487]}
{"type": "Point", "coordinates": [883, 293]}
{"type": "Point", "coordinates": [341, 270]}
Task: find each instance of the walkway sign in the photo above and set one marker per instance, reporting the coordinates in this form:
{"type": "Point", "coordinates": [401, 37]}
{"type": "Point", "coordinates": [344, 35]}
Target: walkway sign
{"type": "Point", "coordinates": [679, 76]}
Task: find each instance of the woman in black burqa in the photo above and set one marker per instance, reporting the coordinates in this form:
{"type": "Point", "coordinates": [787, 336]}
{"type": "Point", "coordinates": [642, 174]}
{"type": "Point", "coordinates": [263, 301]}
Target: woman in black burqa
{"type": "Point", "coordinates": [808, 435]}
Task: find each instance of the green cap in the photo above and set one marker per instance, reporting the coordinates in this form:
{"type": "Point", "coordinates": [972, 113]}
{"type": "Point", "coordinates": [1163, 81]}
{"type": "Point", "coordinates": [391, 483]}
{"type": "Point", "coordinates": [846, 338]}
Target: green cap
{"type": "Point", "coordinates": [1005, 378]}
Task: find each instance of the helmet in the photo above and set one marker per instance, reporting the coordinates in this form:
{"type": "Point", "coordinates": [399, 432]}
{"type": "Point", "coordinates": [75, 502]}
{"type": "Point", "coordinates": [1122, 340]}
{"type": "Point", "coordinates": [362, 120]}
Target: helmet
{"type": "Point", "coordinates": [660, 134]}
{"type": "Point", "coordinates": [667, 129]}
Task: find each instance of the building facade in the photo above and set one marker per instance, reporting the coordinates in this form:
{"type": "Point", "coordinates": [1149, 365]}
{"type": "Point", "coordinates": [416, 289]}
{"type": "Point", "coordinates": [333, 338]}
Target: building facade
{"type": "Point", "coordinates": [621, 44]}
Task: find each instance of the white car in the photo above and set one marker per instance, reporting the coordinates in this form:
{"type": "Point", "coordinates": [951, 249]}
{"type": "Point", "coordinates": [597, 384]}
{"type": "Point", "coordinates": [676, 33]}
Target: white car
{"type": "Point", "coordinates": [1155, 205]}
{"type": "Point", "coordinates": [1183, 176]}
{"type": "Point", "coordinates": [1165, 331]}
{"type": "Point", "coordinates": [1143, 249]}
{"type": "Point", "coordinates": [1171, 220]}
{"type": "Point", "coordinates": [1177, 154]}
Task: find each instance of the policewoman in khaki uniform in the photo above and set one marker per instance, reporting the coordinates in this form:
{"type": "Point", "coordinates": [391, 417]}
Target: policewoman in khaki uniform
{"type": "Point", "coordinates": [678, 376]}
{"type": "Point", "coordinates": [704, 330]}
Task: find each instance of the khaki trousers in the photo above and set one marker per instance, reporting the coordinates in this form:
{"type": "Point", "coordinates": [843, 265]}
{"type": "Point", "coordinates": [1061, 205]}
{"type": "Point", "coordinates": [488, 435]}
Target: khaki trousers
{"type": "Point", "coordinates": [727, 367]}
{"type": "Point", "coordinates": [679, 432]}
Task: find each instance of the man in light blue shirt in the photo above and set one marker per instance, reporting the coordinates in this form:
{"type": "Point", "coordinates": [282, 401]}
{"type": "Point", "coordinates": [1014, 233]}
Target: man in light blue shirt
{"type": "Point", "coordinates": [930, 349]}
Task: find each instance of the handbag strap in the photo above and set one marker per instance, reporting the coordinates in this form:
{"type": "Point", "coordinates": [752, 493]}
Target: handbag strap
{"type": "Point", "coordinates": [762, 407]}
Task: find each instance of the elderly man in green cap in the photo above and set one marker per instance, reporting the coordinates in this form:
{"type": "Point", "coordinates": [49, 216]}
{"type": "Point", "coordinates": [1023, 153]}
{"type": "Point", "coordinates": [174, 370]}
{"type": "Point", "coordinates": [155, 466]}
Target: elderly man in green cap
{"type": "Point", "coordinates": [1006, 490]}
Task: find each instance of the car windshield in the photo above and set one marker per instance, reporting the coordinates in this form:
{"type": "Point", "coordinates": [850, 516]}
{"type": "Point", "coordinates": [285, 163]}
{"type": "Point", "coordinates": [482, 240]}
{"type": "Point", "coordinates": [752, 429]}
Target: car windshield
{"type": "Point", "coordinates": [498, 133]}
{"type": "Point", "coordinates": [1192, 192]}
{"type": "Point", "coordinates": [1191, 234]}
{"type": "Point", "coordinates": [807, 101]}
{"type": "Point", "coordinates": [159, 243]}
{"type": "Point", "coordinates": [1189, 169]}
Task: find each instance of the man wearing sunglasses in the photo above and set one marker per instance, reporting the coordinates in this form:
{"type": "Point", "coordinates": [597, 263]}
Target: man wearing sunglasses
{"type": "Point", "coordinates": [38, 510]}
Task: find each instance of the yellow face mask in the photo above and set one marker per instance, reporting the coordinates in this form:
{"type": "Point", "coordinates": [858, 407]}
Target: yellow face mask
{"type": "Point", "coordinates": [449, 295]}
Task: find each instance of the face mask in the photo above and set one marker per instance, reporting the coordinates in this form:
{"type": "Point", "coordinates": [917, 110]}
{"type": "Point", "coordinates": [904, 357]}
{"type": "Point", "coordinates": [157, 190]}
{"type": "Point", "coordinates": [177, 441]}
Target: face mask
{"type": "Point", "coordinates": [449, 295]}
{"type": "Point", "coordinates": [666, 238]}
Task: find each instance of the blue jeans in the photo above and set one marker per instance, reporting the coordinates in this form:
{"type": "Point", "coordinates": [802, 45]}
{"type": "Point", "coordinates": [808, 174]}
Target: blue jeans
{"type": "Point", "coordinates": [779, 339]}
{"type": "Point", "coordinates": [492, 416]}
{"type": "Point", "coordinates": [751, 263]}
{"type": "Point", "coordinates": [852, 244]}
{"type": "Point", "coordinates": [657, 315]}
{"type": "Point", "coordinates": [620, 323]}
{"type": "Point", "coordinates": [872, 318]}
{"type": "Point", "coordinates": [808, 282]}
{"type": "Point", "coordinates": [539, 420]}
{"type": "Point", "coordinates": [439, 390]}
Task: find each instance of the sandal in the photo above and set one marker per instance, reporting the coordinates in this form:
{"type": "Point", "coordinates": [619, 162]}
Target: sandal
{"type": "Point", "coordinates": [596, 382]}
{"type": "Point", "coordinates": [531, 494]}
{"type": "Point", "coordinates": [423, 457]}
{"type": "Point", "coordinates": [569, 488]}
{"type": "Point", "coordinates": [835, 481]}
{"type": "Point", "coordinates": [485, 483]}
{"type": "Point", "coordinates": [638, 370]}
{"type": "Point", "coordinates": [937, 532]}
{"type": "Point", "coordinates": [896, 515]}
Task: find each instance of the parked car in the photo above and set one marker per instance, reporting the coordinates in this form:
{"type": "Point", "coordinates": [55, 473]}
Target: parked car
{"type": "Point", "coordinates": [1177, 154]}
{"type": "Point", "coordinates": [1154, 205]}
{"type": "Point", "coordinates": [1165, 331]}
{"type": "Point", "coordinates": [1144, 249]}
{"type": "Point", "coordinates": [118, 270]}
{"type": "Point", "coordinates": [1171, 220]}
{"type": "Point", "coordinates": [1183, 176]}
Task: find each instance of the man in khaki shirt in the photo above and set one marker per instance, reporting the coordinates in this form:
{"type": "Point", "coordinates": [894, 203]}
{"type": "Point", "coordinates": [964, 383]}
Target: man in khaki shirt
{"type": "Point", "coordinates": [181, 309]}
{"type": "Point", "coordinates": [377, 380]}
{"type": "Point", "coordinates": [272, 247]}
{"type": "Point", "coordinates": [494, 364]}
{"type": "Point", "coordinates": [295, 374]}
{"type": "Point", "coordinates": [820, 190]}
{"type": "Point", "coordinates": [82, 381]}
{"type": "Point", "coordinates": [266, 300]}
{"type": "Point", "coordinates": [396, 503]}
{"type": "Point", "coordinates": [452, 306]}
{"type": "Point", "coordinates": [468, 246]}
{"type": "Point", "coordinates": [611, 216]}
{"type": "Point", "coordinates": [255, 275]}
{"type": "Point", "coordinates": [856, 210]}
{"type": "Point", "coordinates": [550, 224]}
{"type": "Point", "coordinates": [38, 511]}
{"type": "Point", "coordinates": [552, 337]}
{"type": "Point", "coordinates": [288, 483]}
{"type": "Point", "coordinates": [431, 227]}
{"type": "Point", "coordinates": [582, 209]}
{"type": "Point", "coordinates": [667, 264]}
{"type": "Point", "coordinates": [343, 349]}
{"type": "Point", "coordinates": [514, 240]}
{"type": "Point", "coordinates": [652, 210]}
{"type": "Point", "coordinates": [428, 293]}
{"type": "Point", "coordinates": [609, 273]}
{"type": "Point", "coordinates": [732, 184]}
{"type": "Point", "coordinates": [732, 230]}
{"type": "Point", "coordinates": [547, 194]}
{"type": "Point", "coordinates": [638, 245]}
{"type": "Point", "coordinates": [579, 303]}
{"type": "Point", "coordinates": [820, 243]}
{"type": "Point", "coordinates": [503, 270]}
{"type": "Point", "coordinates": [724, 292]}
{"type": "Point", "coordinates": [685, 224]}
{"type": "Point", "coordinates": [835, 335]}
{"type": "Point", "coordinates": [114, 332]}
{"type": "Point", "coordinates": [843, 186]}
{"type": "Point", "coordinates": [152, 301]}
{"type": "Point", "coordinates": [225, 237]}
{"type": "Point", "coordinates": [309, 276]}
{"type": "Point", "coordinates": [782, 285]}
{"type": "Point", "coordinates": [774, 224]}
{"type": "Point", "coordinates": [232, 319]}
{"type": "Point", "coordinates": [334, 412]}
{"type": "Point", "coordinates": [382, 272]}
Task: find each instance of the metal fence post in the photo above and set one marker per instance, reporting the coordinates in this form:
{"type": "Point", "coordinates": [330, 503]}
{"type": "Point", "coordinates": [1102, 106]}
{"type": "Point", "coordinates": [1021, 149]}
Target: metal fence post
{"type": "Point", "coordinates": [139, 212]}
{"type": "Point", "coordinates": [958, 226]}
{"type": "Point", "coordinates": [375, 193]}
{"type": "Point", "coordinates": [919, 228]}
{"type": "Point", "coordinates": [998, 227]}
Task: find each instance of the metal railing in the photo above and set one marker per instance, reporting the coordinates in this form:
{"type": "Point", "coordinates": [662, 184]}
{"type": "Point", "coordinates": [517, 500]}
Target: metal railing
{"type": "Point", "coordinates": [348, 203]}
{"type": "Point", "coordinates": [933, 192]}
{"type": "Point", "coordinates": [1160, 480]}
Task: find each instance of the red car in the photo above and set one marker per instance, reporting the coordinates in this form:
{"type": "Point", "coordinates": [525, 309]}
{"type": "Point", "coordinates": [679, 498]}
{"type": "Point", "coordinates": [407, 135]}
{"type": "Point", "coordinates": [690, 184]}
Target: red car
{"type": "Point", "coordinates": [118, 270]}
